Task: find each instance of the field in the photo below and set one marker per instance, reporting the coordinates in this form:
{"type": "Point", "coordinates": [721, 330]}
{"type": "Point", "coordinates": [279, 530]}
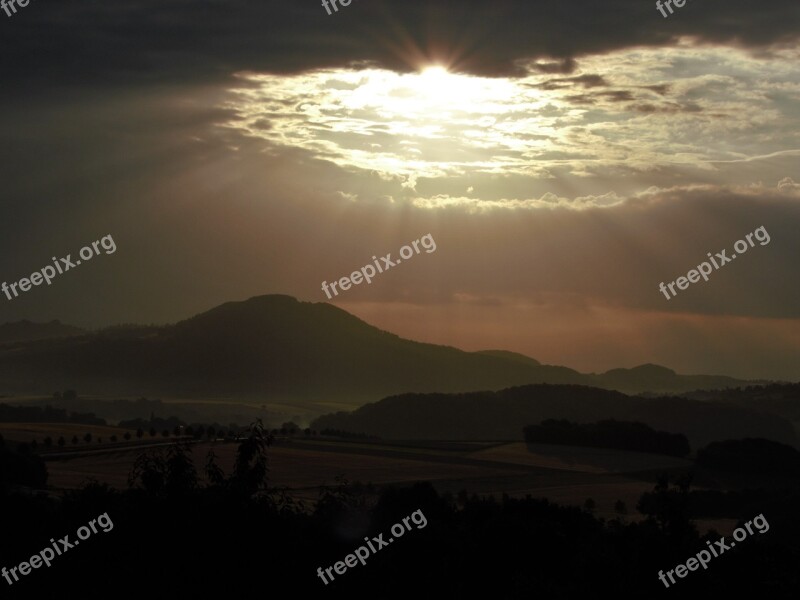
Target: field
{"type": "Point", "coordinates": [565, 475]}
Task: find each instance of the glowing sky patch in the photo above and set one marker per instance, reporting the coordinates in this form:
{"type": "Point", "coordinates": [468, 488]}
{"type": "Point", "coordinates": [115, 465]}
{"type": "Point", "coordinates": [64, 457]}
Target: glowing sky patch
{"type": "Point", "coordinates": [627, 114]}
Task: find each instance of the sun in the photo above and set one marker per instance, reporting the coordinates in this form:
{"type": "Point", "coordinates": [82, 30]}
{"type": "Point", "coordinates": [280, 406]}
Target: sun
{"type": "Point", "coordinates": [436, 83]}
{"type": "Point", "coordinates": [429, 122]}
{"type": "Point", "coordinates": [434, 71]}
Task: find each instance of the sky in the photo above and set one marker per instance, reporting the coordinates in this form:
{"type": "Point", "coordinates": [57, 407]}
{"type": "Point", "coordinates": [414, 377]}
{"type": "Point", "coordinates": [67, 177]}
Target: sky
{"type": "Point", "coordinates": [566, 156]}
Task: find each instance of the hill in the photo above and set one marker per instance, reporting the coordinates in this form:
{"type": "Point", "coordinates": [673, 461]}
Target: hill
{"type": "Point", "coordinates": [27, 331]}
{"type": "Point", "coordinates": [279, 348]}
{"type": "Point", "coordinates": [502, 415]}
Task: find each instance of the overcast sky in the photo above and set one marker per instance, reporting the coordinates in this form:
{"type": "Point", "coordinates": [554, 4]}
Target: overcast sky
{"type": "Point", "coordinates": [567, 156]}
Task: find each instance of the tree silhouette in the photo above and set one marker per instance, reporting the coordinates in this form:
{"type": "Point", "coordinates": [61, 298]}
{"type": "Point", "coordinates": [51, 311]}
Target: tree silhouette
{"type": "Point", "coordinates": [139, 433]}
{"type": "Point", "coordinates": [669, 508]}
{"type": "Point", "coordinates": [163, 472]}
{"type": "Point", "coordinates": [211, 432]}
{"type": "Point", "coordinates": [620, 508]}
{"type": "Point", "coordinates": [165, 433]}
{"type": "Point", "coordinates": [589, 505]}
{"type": "Point", "coordinates": [87, 438]}
{"type": "Point", "coordinates": [75, 439]}
{"type": "Point", "coordinates": [127, 435]}
{"type": "Point", "coordinates": [113, 438]}
{"type": "Point", "coordinates": [48, 442]}
{"type": "Point", "coordinates": [250, 467]}
{"type": "Point", "coordinates": [153, 432]}
{"type": "Point", "coordinates": [61, 441]}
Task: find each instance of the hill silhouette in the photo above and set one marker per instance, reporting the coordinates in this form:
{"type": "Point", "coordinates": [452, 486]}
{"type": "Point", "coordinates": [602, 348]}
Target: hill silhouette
{"type": "Point", "coordinates": [502, 415]}
{"type": "Point", "coordinates": [282, 349]}
{"type": "Point", "coordinates": [26, 331]}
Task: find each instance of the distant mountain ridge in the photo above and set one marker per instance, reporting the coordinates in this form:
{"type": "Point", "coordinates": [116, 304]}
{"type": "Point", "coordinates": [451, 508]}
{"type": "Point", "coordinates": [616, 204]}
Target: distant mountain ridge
{"type": "Point", "coordinates": [27, 331]}
{"type": "Point", "coordinates": [276, 347]}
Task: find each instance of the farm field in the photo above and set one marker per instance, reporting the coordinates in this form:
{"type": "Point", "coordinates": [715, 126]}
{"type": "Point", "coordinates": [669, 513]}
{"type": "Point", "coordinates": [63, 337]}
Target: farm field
{"type": "Point", "coordinates": [304, 465]}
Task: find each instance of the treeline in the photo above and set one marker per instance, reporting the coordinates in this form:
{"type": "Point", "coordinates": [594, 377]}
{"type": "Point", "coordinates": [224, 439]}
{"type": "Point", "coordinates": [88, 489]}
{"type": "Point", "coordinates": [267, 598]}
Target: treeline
{"type": "Point", "coordinates": [618, 435]}
{"type": "Point", "coordinates": [751, 455]}
{"type": "Point", "coordinates": [46, 414]}
{"type": "Point", "coordinates": [184, 531]}
{"type": "Point", "coordinates": [348, 434]}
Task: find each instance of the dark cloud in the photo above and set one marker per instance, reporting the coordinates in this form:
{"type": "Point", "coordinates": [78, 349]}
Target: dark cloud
{"type": "Point", "coordinates": [688, 107]}
{"type": "Point", "coordinates": [611, 95]}
{"type": "Point", "coordinates": [157, 41]}
{"type": "Point", "coordinates": [662, 89]}
{"type": "Point", "coordinates": [586, 81]}
{"type": "Point", "coordinates": [565, 66]}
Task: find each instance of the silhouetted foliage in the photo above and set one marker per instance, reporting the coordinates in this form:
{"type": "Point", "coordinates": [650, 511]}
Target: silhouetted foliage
{"type": "Point", "coordinates": [668, 507]}
{"type": "Point", "coordinates": [21, 467]}
{"type": "Point", "coordinates": [751, 455]}
{"type": "Point", "coordinates": [515, 548]}
{"type": "Point", "coordinates": [620, 435]}
{"type": "Point", "coordinates": [347, 434]}
{"type": "Point", "coordinates": [290, 427]}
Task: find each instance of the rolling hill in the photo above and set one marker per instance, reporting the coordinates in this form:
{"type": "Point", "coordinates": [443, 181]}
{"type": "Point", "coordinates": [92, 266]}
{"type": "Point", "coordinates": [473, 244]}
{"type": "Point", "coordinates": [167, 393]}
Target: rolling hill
{"type": "Point", "coordinates": [278, 348]}
{"type": "Point", "coordinates": [27, 331]}
{"type": "Point", "coordinates": [502, 415]}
